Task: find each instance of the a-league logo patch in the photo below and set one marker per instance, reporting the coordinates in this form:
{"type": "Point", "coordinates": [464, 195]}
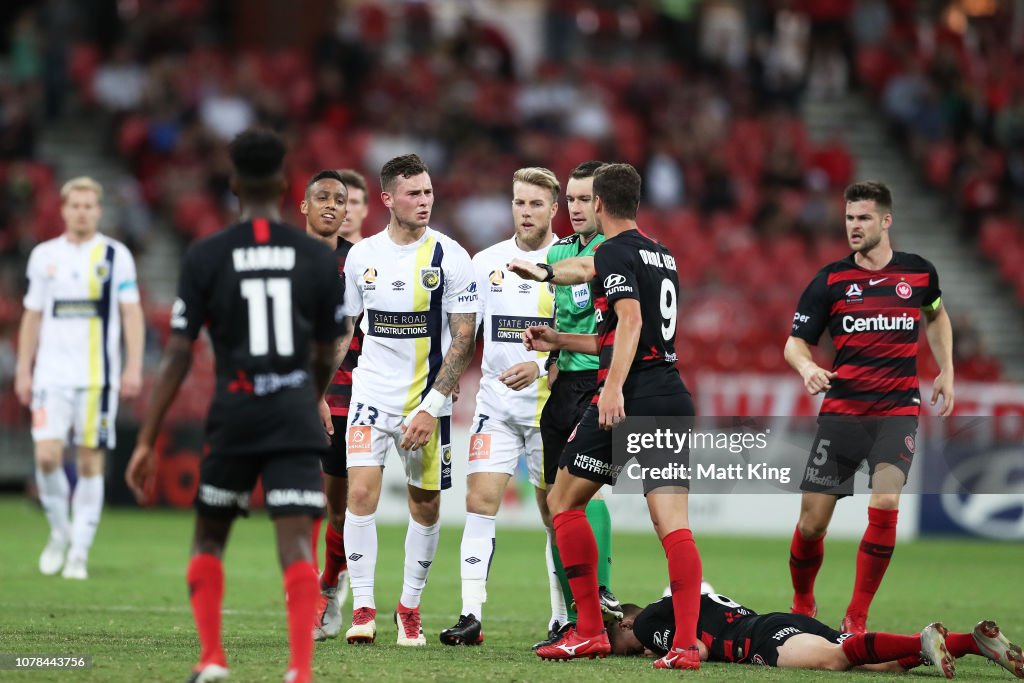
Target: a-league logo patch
{"type": "Point", "coordinates": [909, 443]}
{"type": "Point", "coordinates": [480, 447]}
{"type": "Point", "coordinates": [430, 278]}
{"type": "Point", "coordinates": [358, 439]}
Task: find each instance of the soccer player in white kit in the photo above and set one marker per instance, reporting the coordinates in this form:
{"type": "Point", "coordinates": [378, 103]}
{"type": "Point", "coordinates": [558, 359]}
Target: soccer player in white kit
{"type": "Point", "coordinates": [509, 403]}
{"type": "Point", "coordinates": [416, 290]}
{"type": "Point", "coordinates": [81, 292]}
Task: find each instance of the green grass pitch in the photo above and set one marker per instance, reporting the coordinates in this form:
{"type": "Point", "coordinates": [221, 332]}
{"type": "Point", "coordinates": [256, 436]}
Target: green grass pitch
{"type": "Point", "coordinates": [132, 615]}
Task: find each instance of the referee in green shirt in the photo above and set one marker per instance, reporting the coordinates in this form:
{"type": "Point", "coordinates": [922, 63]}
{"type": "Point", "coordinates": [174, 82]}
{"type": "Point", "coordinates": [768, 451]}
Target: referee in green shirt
{"type": "Point", "coordinates": [573, 380]}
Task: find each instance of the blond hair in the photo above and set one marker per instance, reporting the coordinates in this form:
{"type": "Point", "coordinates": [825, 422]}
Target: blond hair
{"type": "Point", "coordinates": [539, 176]}
{"type": "Point", "coordinates": [81, 183]}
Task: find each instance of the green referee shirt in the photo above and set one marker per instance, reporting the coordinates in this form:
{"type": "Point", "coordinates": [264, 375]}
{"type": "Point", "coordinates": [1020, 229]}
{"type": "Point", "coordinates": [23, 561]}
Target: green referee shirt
{"type": "Point", "coordinates": [574, 309]}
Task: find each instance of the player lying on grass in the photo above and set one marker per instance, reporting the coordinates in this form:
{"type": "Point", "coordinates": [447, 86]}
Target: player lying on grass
{"type": "Point", "coordinates": [729, 632]}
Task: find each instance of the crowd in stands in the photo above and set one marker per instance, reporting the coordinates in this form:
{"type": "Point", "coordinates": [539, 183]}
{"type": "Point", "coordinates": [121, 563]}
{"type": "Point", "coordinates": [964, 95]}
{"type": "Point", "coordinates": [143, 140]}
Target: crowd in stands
{"type": "Point", "coordinates": [702, 96]}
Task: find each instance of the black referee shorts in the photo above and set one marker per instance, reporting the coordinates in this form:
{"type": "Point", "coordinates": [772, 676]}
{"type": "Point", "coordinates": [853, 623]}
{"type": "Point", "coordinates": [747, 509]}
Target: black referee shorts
{"type": "Point", "coordinates": [335, 461]}
{"type": "Point", "coordinates": [570, 396]}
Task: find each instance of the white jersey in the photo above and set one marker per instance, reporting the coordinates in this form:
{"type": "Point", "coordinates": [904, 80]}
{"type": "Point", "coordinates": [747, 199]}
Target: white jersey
{"type": "Point", "coordinates": [508, 305]}
{"type": "Point", "coordinates": [78, 289]}
{"type": "Point", "coordinates": [406, 294]}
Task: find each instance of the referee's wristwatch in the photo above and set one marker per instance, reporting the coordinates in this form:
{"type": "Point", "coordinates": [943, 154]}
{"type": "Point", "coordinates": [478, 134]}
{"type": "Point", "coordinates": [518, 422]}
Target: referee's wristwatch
{"type": "Point", "coordinates": [550, 271]}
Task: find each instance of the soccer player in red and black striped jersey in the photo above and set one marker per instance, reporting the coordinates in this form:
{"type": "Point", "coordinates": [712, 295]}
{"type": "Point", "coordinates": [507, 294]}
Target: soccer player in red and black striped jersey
{"type": "Point", "coordinates": [335, 205]}
{"type": "Point", "coordinates": [635, 294]}
{"type": "Point", "coordinates": [268, 295]}
{"type": "Point", "coordinates": [872, 303]}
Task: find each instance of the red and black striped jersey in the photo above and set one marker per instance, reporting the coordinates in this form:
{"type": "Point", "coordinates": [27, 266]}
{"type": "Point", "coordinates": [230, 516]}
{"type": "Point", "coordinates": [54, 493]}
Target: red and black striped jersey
{"type": "Point", "coordinates": [633, 266]}
{"type": "Point", "coordinates": [874, 317]}
{"type": "Point", "coordinates": [724, 627]}
{"type": "Point", "coordinates": [339, 394]}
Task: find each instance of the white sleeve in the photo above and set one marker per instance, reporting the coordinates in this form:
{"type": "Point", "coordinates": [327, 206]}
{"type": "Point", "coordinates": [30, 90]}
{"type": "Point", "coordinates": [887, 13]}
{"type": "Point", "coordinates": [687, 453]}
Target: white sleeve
{"type": "Point", "coordinates": [353, 303]}
{"type": "Point", "coordinates": [480, 273]}
{"type": "Point", "coordinates": [460, 291]}
{"type": "Point", "coordinates": [35, 297]}
{"type": "Point", "coordinates": [125, 281]}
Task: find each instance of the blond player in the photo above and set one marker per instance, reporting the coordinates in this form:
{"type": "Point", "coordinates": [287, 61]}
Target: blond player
{"type": "Point", "coordinates": [81, 292]}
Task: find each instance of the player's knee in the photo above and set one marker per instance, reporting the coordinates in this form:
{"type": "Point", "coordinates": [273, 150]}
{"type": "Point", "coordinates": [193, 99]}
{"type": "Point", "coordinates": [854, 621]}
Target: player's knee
{"type": "Point", "coordinates": [336, 518]}
{"type": "Point", "coordinates": [885, 501]}
{"type": "Point", "coordinates": [362, 499]}
{"type": "Point", "coordinates": [812, 527]}
{"type": "Point", "coordinates": [482, 502]}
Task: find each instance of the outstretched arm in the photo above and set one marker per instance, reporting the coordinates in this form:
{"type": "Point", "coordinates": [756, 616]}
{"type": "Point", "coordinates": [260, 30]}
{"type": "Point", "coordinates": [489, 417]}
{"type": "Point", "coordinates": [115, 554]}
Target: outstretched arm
{"type": "Point", "coordinates": [570, 271]}
{"type": "Point", "coordinates": [174, 367]}
{"type": "Point", "coordinates": [419, 424]}
{"type": "Point", "coordinates": [940, 340]}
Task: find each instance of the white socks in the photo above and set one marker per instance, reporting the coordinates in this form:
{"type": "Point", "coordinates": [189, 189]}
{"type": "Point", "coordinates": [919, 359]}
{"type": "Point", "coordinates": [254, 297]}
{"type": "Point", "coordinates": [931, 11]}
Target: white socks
{"type": "Point", "coordinates": [558, 610]}
{"type": "Point", "coordinates": [361, 546]}
{"type": "Point", "coordinates": [478, 544]}
{"type": "Point", "coordinates": [53, 495]}
{"type": "Point", "coordinates": [86, 506]}
{"type": "Point", "coordinates": [420, 548]}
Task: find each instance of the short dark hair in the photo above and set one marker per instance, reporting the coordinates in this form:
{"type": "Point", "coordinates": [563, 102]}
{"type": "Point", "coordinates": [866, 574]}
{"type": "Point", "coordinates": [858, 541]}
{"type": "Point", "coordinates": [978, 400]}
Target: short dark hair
{"type": "Point", "coordinates": [353, 178]}
{"type": "Point", "coordinates": [257, 154]}
{"type": "Point", "coordinates": [618, 186]}
{"type": "Point", "coordinates": [407, 166]}
{"type": "Point", "coordinates": [872, 190]}
{"type": "Point", "coordinates": [326, 174]}
{"type": "Point", "coordinates": [586, 169]}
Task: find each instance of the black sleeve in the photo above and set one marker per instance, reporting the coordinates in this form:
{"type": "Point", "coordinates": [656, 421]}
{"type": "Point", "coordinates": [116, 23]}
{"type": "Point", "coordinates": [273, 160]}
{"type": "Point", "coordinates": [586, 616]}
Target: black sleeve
{"type": "Point", "coordinates": [617, 272]}
{"type": "Point", "coordinates": [190, 308]}
{"type": "Point", "coordinates": [933, 294]}
{"type": "Point", "coordinates": [329, 311]}
{"type": "Point", "coordinates": [655, 626]}
{"type": "Point", "coordinates": [811, 317]}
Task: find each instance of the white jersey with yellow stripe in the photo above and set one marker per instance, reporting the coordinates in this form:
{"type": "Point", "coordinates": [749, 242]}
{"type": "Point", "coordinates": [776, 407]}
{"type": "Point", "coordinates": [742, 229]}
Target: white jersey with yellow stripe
{"type": "Point", "coordinates": [508, 305]}
{"type": "Point", "coordinates": [78, 288]}
{"type": "Point", "coordinates": [406, 293]}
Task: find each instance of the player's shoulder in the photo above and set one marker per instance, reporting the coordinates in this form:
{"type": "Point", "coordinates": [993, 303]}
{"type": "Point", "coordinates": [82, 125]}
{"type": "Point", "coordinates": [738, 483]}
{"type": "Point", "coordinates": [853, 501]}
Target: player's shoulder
{"type": "Point", "coordinates": [567, 241]}
{"type": "Point", "coordinates": [909, 261]}
{"type": "Point", "coordinates": [495, 251]}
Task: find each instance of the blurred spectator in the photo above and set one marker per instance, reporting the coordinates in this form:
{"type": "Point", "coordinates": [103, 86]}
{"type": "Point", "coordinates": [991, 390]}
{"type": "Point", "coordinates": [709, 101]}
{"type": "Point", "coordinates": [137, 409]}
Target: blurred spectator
{"type": "Point", "coordinates": [119, 83]}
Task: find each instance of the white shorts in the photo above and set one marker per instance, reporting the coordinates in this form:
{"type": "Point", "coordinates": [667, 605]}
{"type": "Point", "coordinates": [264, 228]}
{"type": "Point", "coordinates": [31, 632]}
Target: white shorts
{"type": "Point", "coordinates": [372, 432]}
{"type": "Point", "coordinates": [495, 446]}
{"type": "Point", "coordinates": [91, 411]}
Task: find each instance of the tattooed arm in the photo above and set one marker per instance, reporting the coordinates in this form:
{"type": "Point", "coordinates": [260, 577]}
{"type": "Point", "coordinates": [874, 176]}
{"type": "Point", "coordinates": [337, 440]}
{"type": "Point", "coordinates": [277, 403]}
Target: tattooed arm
{"type": "Point", "coordinates": [416, 432]}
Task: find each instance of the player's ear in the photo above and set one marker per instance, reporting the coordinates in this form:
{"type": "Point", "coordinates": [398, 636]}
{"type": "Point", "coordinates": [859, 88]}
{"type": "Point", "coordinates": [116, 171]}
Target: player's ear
{"type": "Point", "coordinates": [385, 197]}
{"type": "Point", "coordinates": [304, 207]}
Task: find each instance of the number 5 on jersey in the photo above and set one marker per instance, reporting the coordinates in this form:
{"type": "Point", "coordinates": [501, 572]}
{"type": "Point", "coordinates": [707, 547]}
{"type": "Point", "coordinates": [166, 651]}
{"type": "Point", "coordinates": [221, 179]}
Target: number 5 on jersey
{"type": "Point", "coordinates": [255, 291]}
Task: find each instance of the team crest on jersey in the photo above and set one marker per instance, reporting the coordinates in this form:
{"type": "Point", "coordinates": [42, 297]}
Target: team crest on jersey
{"type": "Point", "coordinates": [904, 290]}
{"type": "Point", "coordinates": [497, 278]}
{"type": "Point", "coordinates": [909, 443]}
{"type": "Point", "coordinates": [446, 454]}
{"type": "Point", "coordinates": [430, 278]}
{"type": "Point", "coordinates": [369, 278]}
{"type": "Point", "coordinates": [580, 295]}
{"type": "Point", "coordinates": [103, 271]}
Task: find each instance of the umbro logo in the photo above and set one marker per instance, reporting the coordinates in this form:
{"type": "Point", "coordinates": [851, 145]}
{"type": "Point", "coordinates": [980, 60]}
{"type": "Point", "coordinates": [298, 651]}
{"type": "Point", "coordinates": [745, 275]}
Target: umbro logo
{"type": "Point", "coordinates": [424, 563]}
{"type": "Point", "coordinates": [472, 560]}
{"type": "Point", "coordinates": [355, 557]}
{"type": "Point", "coordinates": [397, 285]}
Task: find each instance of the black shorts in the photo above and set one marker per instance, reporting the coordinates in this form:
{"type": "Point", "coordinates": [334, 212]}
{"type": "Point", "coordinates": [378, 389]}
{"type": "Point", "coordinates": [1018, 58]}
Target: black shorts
{"type": "Point", "coordinates": [589, 452]}
{"type": "Point", "coordinates": [334, 461]}
{"type": "Point", "coordinates": [769, 631]}
{"type": "Point", "coordinates": [843, 443]}
{"type": "Point", "coordinates": [570, 396]}
{"type": "Point", "coordinates": [292, 484]}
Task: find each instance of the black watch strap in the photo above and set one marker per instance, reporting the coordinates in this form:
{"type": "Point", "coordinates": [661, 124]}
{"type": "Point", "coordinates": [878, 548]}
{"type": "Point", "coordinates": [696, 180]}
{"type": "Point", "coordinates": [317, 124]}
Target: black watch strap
{"type": "Point", "coordinates": [550, 271]}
